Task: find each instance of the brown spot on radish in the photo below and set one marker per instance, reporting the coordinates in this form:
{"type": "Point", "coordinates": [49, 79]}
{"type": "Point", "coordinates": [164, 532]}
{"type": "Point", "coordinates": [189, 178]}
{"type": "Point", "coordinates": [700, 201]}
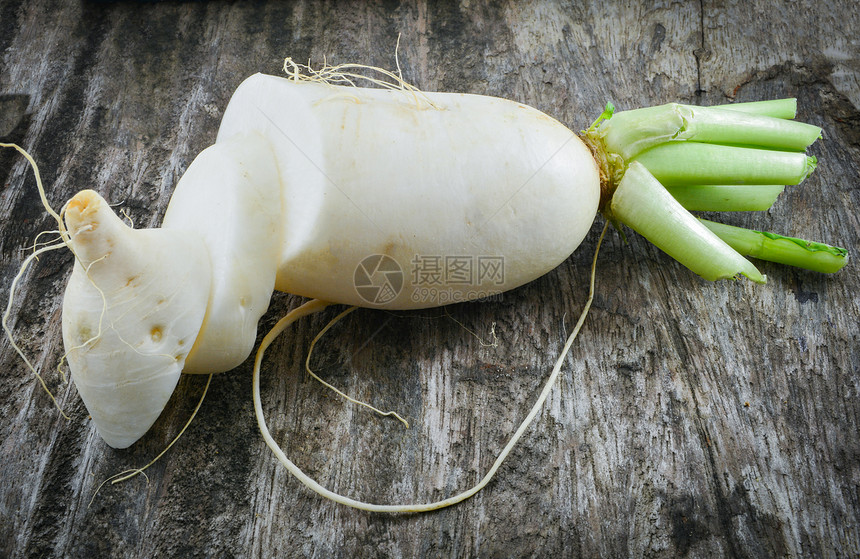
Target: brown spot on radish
{"type": "Point", "coordinates": [156, 333]}
{"type": "Point", "coordinates": [84, 333]}
{"type": "Point", "coordinates": [131, 280]}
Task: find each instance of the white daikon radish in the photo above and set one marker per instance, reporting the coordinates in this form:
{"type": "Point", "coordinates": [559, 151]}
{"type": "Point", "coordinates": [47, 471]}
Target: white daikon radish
{"type": "Point", "coordinates": [322, 190]}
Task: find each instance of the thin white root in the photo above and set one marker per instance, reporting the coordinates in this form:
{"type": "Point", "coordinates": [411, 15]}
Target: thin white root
{"type": "Point", "coordinates": [397, 59]}
{"type": "Point", "coordinates": [128, 474]}
{"type": "Point", "coordinates": [8, 330]}
{"type": "Point", "coordinates": [347, 74]}
{"type": "Point", "coordinates": [62, 227]}
{"type": "Point", "coordinates": [124, 213]}
{"type": "Point", "coordinates": [63, 242]}
{"type": "Point", "coordinates": [494, 343]}
{"type": "Point", "coordinates": [37, 244]}
{"type": "Point", "coordinates": [322, 332]}
{"type": "Point", "coordinates": [316, 305]}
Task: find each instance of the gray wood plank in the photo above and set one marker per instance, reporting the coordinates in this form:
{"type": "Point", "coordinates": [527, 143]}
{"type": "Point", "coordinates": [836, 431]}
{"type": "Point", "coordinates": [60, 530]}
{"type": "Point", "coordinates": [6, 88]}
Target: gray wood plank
{"type": "Point", "coordinates": [692, 419]}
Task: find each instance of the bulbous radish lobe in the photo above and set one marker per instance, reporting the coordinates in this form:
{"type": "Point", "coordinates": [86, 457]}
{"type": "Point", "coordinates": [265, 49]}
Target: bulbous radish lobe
{"type": "Point", "coordinates": [132, 310]}
{"type": "Point", "coordinates": [368, 172]}
{"type": "Point", "coordinates": [230, 197]}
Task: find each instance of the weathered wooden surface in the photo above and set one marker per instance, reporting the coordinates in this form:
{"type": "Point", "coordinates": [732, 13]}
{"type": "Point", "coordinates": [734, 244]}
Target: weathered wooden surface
{"type": "Point", "coordinates": [692, 419]}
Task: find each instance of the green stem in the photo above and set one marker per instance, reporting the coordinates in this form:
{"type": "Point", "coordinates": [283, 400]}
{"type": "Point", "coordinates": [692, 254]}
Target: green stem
{"type": "Point", "coordinates": [695, 163]}
{"type": "Point", "coordinates": [810, 255]}
{"type": "Point", "coordinates": [720, 126]}
{"type": "Point", "coordinates": [629, 133]}
{"type": "Point", "coordinates": [655, 162]}
{"type": "Point", "coordinates": [776, 108]}
{"type": "Point", "coordinates": [726, 197]}
{"type": "Point", "coordinates": [642, 203]}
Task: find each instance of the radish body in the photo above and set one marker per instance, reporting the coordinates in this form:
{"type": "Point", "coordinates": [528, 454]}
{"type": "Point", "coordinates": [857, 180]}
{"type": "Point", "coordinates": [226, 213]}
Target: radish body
{"type": "Point", "coordinates": [378, 172]}
{"type": "Point", "coordinates": [304, 183]}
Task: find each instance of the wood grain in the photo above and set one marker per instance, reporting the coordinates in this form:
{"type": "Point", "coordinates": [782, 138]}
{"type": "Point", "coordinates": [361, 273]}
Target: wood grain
{"type": "Point", "coordinates": [692, 419]}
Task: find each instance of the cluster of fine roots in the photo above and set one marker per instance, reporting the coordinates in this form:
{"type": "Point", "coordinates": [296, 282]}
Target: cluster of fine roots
{"type": "Point", "coordinates": [349, 74]}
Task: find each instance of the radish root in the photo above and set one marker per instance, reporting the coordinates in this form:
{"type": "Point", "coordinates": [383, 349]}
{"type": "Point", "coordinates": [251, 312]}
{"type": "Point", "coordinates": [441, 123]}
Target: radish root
{"type": "Point", "coordinates": [316, 305]}
{"type": "Point", "coordinates": [322, 332]}
{"type": "Point", "coordinates": [8, 330]}
{"type": "Point", "coordinates": [494, 343]}
{"type": "Point", "coordinates": [63, 242]}
{"type": "Point", "coordinates": [348, 74]}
